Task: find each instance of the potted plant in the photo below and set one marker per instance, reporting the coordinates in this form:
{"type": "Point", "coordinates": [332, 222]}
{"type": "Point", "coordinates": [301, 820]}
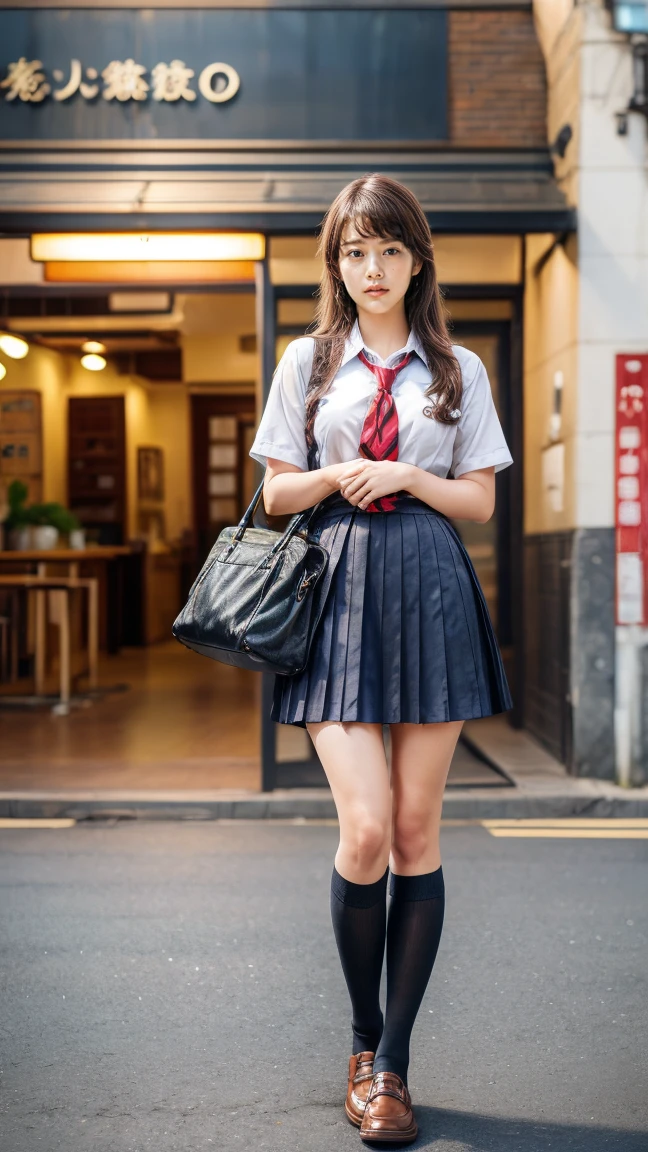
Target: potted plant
{"type": "Point", "coordinates": [68, 524]}
{"type": "Point", "coordinates": [18, 523]}
{"type": "Point", "coordinates": [44, 534]}
{"type": "Point", "coordinates": [38, 525]}
{"type": "Point", "coordinates": [48, 522]}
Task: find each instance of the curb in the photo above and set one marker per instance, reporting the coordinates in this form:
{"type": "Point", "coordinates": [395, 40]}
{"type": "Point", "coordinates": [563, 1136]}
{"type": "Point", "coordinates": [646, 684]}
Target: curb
{"type": "Point", "coordinates": [469, 804]}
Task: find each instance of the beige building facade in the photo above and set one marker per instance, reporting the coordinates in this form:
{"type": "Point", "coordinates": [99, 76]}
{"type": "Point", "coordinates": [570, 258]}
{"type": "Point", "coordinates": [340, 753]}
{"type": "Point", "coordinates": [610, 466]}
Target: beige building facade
{"type": "Point", "coordinates": [537, 208]}
{"type": "Point", "coordinates": [586, 301]}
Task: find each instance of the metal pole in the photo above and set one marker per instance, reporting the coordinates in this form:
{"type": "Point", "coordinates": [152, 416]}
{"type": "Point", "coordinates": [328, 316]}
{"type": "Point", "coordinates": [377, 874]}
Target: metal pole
{"type": "Point", "coordinates": [627, 710]}
{"type": "Point", "coordinates": [266, 329]}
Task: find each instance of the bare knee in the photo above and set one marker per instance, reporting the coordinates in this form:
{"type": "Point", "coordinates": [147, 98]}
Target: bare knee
{"type": "Point", "coordinates": [414, 838]}
{"type": "Point", "coordinates": [353, 757]}
{"type": "Point", "coordinates": [365, 843]}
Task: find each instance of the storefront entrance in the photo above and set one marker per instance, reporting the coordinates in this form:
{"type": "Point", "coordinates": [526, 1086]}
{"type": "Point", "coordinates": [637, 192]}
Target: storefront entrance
{"type": "Point", "coordinates": [496, 547]}
{"type": "Point", "coordinates": [176, 191]}
{"type": "Point", "coordinates": [155, 460]}
{"type": "Point", "coordinates": [489, 323]}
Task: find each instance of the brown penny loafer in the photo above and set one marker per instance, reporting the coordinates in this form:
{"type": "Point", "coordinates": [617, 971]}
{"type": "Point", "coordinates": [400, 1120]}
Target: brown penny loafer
{"type": "Point", "coordinates": [388, 1116]}
{"type": "Point", "coordinates": [360, 1077]}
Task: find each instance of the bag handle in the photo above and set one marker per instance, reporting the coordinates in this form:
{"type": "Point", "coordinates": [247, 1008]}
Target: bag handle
{"type": "Point", "coordinates": [297, 521]}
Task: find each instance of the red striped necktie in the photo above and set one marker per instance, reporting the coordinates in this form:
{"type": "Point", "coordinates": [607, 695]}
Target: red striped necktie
{"type": "Point", "coordinates": [379, 438]}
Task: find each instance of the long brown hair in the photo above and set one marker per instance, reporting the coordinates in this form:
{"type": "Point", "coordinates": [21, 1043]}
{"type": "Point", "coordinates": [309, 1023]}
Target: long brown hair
{"type": "Point", "coordinates": [380, 207]}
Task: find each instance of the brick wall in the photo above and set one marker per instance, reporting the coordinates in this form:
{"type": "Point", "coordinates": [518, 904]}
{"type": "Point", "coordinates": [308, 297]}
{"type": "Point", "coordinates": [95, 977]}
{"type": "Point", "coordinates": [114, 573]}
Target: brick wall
{"type": "Point", "coordinates": [498, 93]}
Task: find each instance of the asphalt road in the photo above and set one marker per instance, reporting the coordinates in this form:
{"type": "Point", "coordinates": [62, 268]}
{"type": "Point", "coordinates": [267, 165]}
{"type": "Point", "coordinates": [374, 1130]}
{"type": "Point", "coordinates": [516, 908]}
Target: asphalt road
{"type": "Point", "coordinates": [176, 986]}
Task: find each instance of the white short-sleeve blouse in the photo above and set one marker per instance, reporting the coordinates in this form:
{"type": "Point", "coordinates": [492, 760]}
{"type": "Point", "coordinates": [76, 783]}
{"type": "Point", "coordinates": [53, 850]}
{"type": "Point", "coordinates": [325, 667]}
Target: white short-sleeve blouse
{"type": "Point", "coordinates": [475, 441]}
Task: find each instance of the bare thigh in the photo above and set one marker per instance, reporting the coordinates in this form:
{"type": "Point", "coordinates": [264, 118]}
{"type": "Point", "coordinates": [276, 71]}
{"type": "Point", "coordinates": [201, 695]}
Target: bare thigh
{"type": "Point", "coordinates": [420, 760]}
{"type": "Point", "coordinates": [353, 758]}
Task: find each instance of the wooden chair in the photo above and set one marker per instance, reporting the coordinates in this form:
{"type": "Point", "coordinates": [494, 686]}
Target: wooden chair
{"type": "Point", "coordinates": [53, 593]}
{"type": "Point", "coordinates": [9, 639]}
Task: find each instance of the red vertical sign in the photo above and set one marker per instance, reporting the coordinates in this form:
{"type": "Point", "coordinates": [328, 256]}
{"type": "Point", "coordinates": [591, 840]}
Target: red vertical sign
{"type": "Point", "coordinates": [631, 488]}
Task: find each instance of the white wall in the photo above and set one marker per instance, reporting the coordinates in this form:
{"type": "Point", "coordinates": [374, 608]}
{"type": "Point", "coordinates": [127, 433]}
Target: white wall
{"type": "Point", "coordinates": [589, 69]}
{"type": "Point", "coordinates": [613, 254]}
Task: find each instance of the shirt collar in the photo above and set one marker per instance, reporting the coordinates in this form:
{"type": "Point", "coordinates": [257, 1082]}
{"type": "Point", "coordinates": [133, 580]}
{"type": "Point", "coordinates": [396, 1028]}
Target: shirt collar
{"type": "Point", "coordinates": [355, 343]}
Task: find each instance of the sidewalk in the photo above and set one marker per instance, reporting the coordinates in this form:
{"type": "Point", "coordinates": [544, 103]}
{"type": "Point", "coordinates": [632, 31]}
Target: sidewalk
{"type": "Point", "coordinates": [534, 785]}
{"type": "Point", "coordinates": [542, 786]}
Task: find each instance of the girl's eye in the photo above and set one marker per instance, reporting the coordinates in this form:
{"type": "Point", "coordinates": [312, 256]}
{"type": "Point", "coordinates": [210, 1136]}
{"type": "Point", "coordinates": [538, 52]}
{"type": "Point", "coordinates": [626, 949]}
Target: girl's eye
{"type": "Point", "coordinates": [396, 250]}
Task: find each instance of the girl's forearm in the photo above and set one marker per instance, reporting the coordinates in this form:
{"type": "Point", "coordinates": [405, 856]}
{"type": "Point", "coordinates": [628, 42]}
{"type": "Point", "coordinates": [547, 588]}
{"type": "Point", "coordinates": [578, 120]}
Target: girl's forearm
{"type": "Point", "coordinates": [289, 492]}
{"type": "Point", "coordinates": [459, 499]}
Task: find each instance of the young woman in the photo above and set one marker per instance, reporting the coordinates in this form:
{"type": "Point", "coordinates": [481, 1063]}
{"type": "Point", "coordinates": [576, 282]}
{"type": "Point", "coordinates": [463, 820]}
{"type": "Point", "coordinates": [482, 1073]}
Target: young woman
{"type": "Point", "coordinates": [366, 418]}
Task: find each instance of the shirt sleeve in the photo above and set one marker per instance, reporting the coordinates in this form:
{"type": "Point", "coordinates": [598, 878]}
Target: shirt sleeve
{"type": "Point", "coordinates": [281, 433]}
{"type": "Point", "coordinates": [479, 441]}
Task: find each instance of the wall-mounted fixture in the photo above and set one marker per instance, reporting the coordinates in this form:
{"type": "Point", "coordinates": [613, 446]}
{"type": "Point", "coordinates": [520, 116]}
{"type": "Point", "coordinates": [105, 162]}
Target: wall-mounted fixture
{"type": "Point", "coordinates": [3, 371]}
{"type": "Point", "coordinates": [631, 17]}
{"type": "Point", "coordinates": [13, 346]}
{"type": "Point", "coordinates": [93, 346]}
{"type": "Point", "coordinates": [555, 419]}
{"type": "Point", "coordinates": [559, 146]}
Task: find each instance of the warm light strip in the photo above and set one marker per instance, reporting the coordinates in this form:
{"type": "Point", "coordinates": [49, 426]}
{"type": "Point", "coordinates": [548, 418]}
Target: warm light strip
{"type": "Point", "coordinates": [144, 272]}
{"type": "Point", "coordinates": [146, 246]}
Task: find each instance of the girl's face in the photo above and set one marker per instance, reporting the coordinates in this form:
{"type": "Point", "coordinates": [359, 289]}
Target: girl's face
{"type": "Point", "coordinates": [376, 271]}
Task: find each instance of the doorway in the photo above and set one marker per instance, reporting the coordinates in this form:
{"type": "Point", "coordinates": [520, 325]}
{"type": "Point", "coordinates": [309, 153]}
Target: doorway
{"type": "Point", "coordinates": [151, 452]}
{"type": "Point", "coordinates": [97, 465]}
{"type": "Point", "coordinates": [492, 546]}
{"type": "Point", "coordinates": [288, 756]}
{"type": "Point", "coordinates": [222, 431]}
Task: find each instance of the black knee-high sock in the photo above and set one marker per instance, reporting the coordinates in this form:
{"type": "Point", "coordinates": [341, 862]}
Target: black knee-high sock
{"type": "Point", "coordinates": [413, 934]}
{"type": "Point", "coordinates": [359, 915]}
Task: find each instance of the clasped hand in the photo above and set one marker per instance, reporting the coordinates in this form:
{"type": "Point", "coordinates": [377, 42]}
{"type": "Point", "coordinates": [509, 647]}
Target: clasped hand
{"type": "Point", "coordinates": [362, 481]}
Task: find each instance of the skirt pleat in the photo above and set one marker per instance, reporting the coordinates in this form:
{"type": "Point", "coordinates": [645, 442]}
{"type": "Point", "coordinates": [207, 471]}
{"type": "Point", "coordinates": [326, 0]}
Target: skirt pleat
{"type": "Point", "coordinates": [463, 649]}
{"type": "Point", "coordinates": [403, 632]}
{"type": "Point", "coordinates": [410, 616]}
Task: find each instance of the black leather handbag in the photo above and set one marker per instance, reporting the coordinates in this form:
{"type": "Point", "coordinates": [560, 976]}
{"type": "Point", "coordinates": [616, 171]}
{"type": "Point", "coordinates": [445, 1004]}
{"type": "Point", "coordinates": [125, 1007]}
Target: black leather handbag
{"type": "Point", "coordinates": [252, 603]}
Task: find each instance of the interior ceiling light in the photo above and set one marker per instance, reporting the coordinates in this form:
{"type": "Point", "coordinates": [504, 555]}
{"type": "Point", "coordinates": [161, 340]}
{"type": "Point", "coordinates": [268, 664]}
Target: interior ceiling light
{"type": "Point", "coordinates": [112, 246]}
{"type": "Point", "coordinates": [13, 346]}
{"type": "Point", "coordinates": [3, 371]}
{"type": "Point", "coordinates": [93, 346]}
{"type": "Point", "coordinates": [93, 362]}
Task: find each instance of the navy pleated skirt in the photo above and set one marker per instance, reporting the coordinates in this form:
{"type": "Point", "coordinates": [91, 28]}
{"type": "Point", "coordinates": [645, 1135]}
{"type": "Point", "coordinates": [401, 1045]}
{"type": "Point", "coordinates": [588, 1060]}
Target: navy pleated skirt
{"type": "Point", "coordinates": [404, 634]}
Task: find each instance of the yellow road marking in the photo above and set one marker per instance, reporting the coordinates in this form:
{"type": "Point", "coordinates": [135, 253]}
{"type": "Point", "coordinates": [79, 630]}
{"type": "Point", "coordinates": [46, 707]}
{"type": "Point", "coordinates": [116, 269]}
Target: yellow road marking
{"type": "Point", "coordinates": [573, 833]}
{"type": "Point", "coordinates": [571, 822]}
{"type": "Point", "coordinates": [53, 822]}
{"type": "Point", "coordinates": [576, 828]}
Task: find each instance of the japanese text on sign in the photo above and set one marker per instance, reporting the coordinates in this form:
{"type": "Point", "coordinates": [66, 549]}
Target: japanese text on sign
{"type": "Point", "coordinates": [631, 482]}
{"type": "Point", "coordinates": [122, 80]}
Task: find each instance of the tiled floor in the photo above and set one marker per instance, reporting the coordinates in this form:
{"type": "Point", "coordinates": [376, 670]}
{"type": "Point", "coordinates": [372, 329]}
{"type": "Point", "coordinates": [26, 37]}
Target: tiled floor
{"type": "Point", "coordinates": [167, 719]}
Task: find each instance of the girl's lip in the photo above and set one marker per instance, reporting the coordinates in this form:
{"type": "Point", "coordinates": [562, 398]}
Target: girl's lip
{"type": "Point", "coordinates": [375, 291]}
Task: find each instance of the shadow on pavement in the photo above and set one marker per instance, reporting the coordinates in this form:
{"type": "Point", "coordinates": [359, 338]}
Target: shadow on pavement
{"type": "Point", "coordinates": [475, 1132]}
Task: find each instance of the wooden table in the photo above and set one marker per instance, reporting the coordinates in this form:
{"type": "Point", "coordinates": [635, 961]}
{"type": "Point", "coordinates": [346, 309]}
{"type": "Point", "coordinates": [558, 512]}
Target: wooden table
{"type": "Point", "coordinates": [40, 560]}
{"type": "Point", "coordinates": [67, 555]}
{"type": "Point", "coordinates": [61, 587]}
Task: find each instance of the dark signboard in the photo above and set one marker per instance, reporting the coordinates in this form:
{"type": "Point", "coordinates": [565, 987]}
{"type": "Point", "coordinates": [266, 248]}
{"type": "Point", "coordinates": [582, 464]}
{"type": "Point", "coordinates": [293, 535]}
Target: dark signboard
{"type": "Point", "coordinates": [240, 74]}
